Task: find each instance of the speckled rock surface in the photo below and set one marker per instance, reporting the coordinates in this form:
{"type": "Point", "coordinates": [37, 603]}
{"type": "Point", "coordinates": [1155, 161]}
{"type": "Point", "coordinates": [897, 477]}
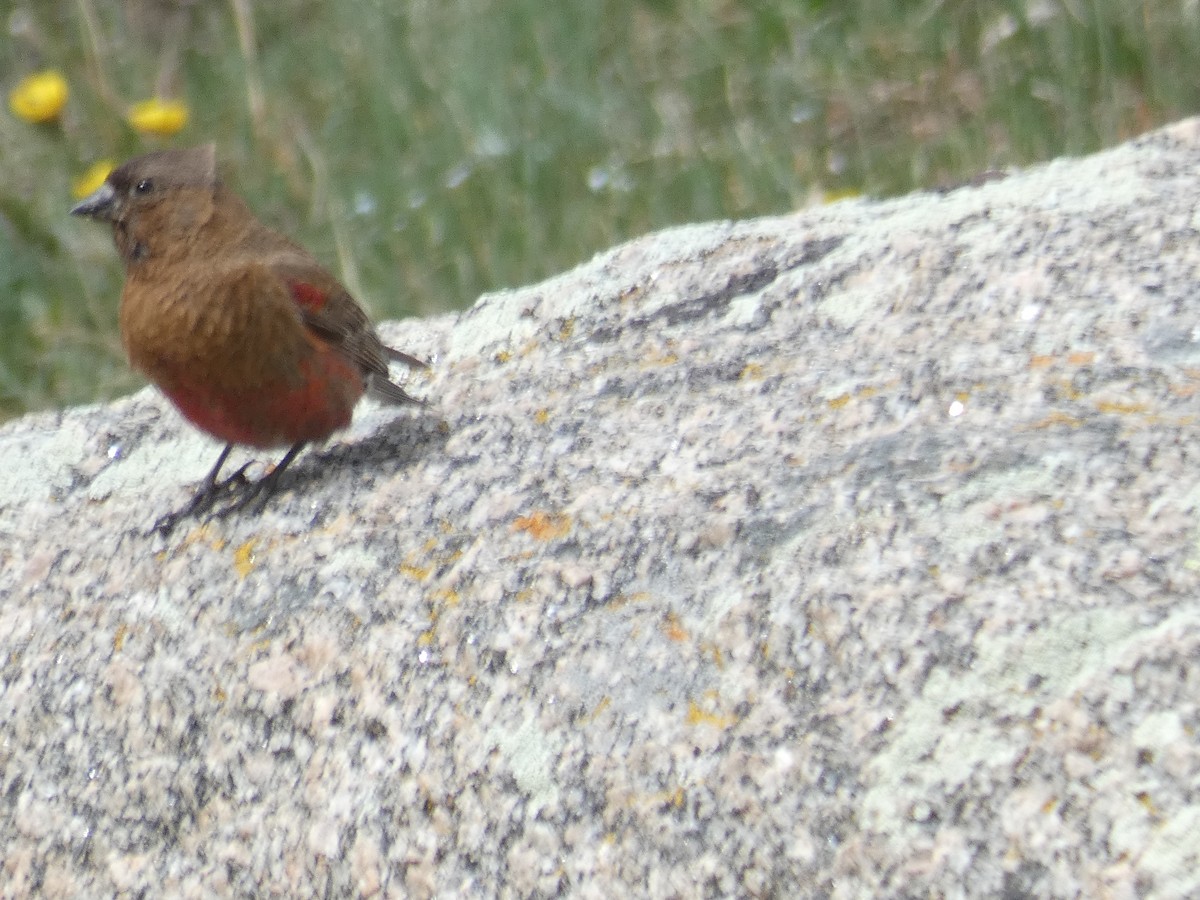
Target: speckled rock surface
{"type": "Point", "coordinates": [849, 553]}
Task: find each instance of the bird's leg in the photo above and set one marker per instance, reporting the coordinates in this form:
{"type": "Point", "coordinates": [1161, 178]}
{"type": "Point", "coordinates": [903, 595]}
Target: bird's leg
{"type": "Point", "coordinates": [256, 494]}
{"type": "Point", "coordinates": [205, 497]}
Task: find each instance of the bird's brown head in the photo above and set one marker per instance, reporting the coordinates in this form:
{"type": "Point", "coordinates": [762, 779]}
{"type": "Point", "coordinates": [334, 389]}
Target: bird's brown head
{"type": "Point", "coordinates": [156, 203]}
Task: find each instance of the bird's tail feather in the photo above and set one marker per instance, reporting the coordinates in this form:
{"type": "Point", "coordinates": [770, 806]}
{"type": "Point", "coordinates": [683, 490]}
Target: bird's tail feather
{"type": "Point", "coordinates": [400, 356]}
{"type": "Point", "coordinates": [387, 392]}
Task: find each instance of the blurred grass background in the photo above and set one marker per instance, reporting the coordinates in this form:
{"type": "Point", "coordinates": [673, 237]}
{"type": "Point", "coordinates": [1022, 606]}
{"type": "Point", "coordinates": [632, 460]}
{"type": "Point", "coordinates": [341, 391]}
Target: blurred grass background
{"type": "Point", "coordinates": [430, 151]}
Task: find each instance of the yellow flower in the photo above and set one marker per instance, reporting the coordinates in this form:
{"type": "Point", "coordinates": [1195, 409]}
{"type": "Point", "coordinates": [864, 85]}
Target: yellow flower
{"type": "Point", "coordinates": [160, 117]}
{"type": "Point", "coordinates": [841, 194]}
{"type": "Point", "coordinates": [39, 97]}
{"type": "Point", "coordinates": [91, 180]}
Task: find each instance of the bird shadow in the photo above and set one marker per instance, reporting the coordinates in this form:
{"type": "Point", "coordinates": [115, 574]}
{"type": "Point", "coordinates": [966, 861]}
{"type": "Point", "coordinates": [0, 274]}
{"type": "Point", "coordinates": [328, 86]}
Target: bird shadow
{"type": "Point", "coordinates": [392, 447]}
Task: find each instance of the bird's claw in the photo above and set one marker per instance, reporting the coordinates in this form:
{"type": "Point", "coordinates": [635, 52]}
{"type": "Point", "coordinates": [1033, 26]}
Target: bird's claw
{"type": "Point", "coordinates": [204, 500]}
{"type": "Point", "coordinates": [253, 500]}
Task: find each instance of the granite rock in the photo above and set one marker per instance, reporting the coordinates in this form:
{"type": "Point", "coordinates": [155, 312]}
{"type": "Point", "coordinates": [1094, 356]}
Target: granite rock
{"type": "Point", "coordinates": [854, 552]}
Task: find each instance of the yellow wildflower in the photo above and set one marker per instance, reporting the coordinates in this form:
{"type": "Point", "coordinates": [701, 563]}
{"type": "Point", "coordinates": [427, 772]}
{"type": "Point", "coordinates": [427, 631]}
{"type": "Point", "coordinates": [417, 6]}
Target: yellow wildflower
{"type": "Point", "coordinates": [160, 117]}
{"type": "Point", "coordinates": [841, 194]}
{"type": "Point", "coordinates": [91, 180]}
{"type": "Point", "coordinates": [39, 97]}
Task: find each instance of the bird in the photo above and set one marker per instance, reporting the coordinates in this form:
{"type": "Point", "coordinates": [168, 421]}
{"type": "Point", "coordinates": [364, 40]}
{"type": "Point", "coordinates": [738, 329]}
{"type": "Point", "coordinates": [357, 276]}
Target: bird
{"type": "Point", "coordinates": [242, 329]}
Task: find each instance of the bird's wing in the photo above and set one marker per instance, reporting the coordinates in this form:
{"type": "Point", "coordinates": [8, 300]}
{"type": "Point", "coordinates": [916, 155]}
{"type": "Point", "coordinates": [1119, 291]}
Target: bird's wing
{"type": "Point", "coordinates": [329, 311]}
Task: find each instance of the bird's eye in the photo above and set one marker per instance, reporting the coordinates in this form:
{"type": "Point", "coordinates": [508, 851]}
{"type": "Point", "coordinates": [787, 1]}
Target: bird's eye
{"type": "Point", "coordinates": [144, 186]}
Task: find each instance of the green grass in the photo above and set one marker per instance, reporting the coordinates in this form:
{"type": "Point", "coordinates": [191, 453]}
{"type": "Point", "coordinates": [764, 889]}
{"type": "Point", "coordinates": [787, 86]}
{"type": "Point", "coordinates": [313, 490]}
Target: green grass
{"type": "Point", "coordinates": [430, 151]}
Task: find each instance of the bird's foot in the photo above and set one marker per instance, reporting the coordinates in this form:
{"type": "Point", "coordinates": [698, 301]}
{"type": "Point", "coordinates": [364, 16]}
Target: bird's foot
{"type": "Point", "coordinates": [254, 495]}
{"type": "Point", "coordinates": [252, 499]}
{"type": "Point", "coordinates": [204, 500]}
{"type": "Point", "coordinates": [246, 494]}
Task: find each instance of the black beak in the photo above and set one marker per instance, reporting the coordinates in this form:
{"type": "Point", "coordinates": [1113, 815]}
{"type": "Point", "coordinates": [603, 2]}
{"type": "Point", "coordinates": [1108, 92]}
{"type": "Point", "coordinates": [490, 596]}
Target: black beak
{"type": "Point", "coordinates": [100, 204]}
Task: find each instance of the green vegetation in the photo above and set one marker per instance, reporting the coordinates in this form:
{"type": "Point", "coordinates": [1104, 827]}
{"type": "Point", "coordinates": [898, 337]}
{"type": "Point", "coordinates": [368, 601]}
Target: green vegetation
{"type": "Point", "coordinates": [429, 151]}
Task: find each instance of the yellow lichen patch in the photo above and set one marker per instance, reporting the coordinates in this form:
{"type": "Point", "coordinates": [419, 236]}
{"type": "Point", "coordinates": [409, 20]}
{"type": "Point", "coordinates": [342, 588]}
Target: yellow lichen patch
{"type": "Point", "coordinates": [204, 533]}
{"type": "Point", "coordinates": [1093, 742]}
{"type": "Point", "coordinates": [667, 798]}
{"type": "Point", "coordinates": [219, 694]}
{"type": "Point", "coordinates": [1147, 803]}
{"type": "Point", "coordinates": [91, 180]}
{"type": "Point", "coordinates": [659, 356]}
{"type": "Point", "coordinates": [446, 596]}
{"type": "Point", "coordinates": [243, 558]}
{"type": "Point", "coordinates": [671, 627]}
{"type": "Point", "coordinates": [543, 526]}
{"type": "Point", "coordinates": [698, 716]}
{"type": "Point", "coordinates": [416, 573]}
{"type": "Point", "coordinates": [119, 637]}
{"type": "Point", "coordinates": [502, 356]}
{"type": "Point", "coordinates": [1074, 358]}
{"type": "Point", "coordinates": [542, 416]}
{"type": "Point", "coordinates": [566, 329]}
{"type": "Point", "coordinates": [259, 646]}
{"type": "Point", "coordinates": [1055, 418]}
{"type": "Point", "coordinates": [866, 392]}
{"type": "Point", "coordinates": [1113, 406]}
{"type": "Point", "coordinates": [751, 372]}
{"type": "Point", "coordinates": [605, 703]}
{"type": "Point", "coordinates": [159, 117]}
{"type": "Point", "coordinates": [839, 401]}
{"type": "Point", "coordinates": [40, 97]}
